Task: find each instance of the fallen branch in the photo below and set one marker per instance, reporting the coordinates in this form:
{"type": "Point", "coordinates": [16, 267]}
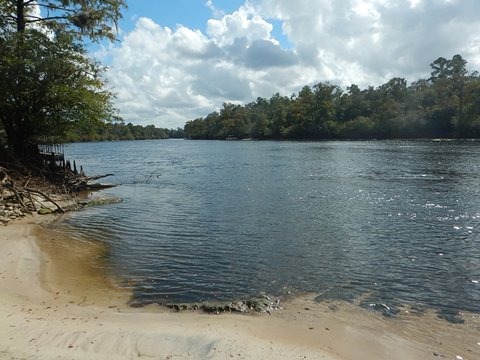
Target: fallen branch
{"type": "Point", "coordinates": [79, 182]}
{"type": "Point", "coordinates": [31, 201]}
{"type": "Point", "coordinates": [94, 187]}
{"type": "Point", "coordinates": [12, 188]}
{"type": "Point", "coordinates": [47, 198]}
{"type": "Point", "coordinates": [96, 177]}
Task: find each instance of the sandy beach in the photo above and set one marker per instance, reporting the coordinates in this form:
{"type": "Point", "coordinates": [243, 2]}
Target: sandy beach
{"type": "Point", "coordinates": [56, 304]}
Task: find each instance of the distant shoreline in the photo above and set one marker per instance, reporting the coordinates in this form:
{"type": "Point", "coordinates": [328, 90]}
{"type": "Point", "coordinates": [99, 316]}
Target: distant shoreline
{"type": "Point", "coordinates": [290, 140]}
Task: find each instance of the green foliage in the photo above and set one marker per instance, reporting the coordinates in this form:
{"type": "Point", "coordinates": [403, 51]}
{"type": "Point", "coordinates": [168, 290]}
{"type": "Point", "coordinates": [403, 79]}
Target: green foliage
{"type": "Point", "coordinates": [446, 105]}
{"type": "Point", "coordinates": [361, 127]}
{"type": "Point", "coordinates": [49, 85]}
{"type": "Point", "coordinates": [96, 19]}
{"type": "Point", "coordinates": [120, 131]}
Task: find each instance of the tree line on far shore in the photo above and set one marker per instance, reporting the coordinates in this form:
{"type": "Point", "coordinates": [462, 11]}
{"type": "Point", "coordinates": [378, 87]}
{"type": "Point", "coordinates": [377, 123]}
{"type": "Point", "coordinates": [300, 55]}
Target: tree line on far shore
{"type": "Point", "coordinates": [446, 105]}
{"type": "Point", "coordinates": [121, 131]}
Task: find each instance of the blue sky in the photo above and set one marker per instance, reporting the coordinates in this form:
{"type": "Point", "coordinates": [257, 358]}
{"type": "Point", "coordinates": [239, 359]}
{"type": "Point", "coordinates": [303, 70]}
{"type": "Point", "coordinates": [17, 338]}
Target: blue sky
{"type": "Point", "coordinates": [193, 14]}
{"type": "Point", "coordinates": [190, 13]}
{"type": "Point", "coordinates": [177, 60]}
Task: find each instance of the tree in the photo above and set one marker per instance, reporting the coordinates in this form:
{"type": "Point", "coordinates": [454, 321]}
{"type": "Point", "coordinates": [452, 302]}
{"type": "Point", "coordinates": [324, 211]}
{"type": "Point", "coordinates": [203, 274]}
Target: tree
{"type": "Point", "coordinates": [48, 82]}
{"type": "Point", "coordinates": [439, 68]}
{"type": "Point", "coordinates": [278, 111]}
{"type": "Point", "coordinates": [96, 19]}
{"type": "Point", "coordinates": [468, 125]}
{"type": "Point", "coordinates": [50, 88]}
{"type": "Point", "coordinates": [196, 129]}
{"type": "Point", "coordinates": [259, 118]}
{"type": "Point", "coordinates": [302, 115]}
{"type": "Point", "coordinates": [326, 98]}
{"type": "Point", "coordinates": [445, 105]}
{"type": "Point", "coordinates": [396, 88]}
{"type": "Point", "coordinates": [353, 104]}
{"type": "Point", "coordinates": [448, 79]}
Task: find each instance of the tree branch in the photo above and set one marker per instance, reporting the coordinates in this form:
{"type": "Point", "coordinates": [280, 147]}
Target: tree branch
{"type": "Point", "coordinates": [37, 19]}
{"type": "Point", "coordinates": [46, 197]}
{"type": "Point", "coordinates": [53, 7]}
{"type": "Point", "coordinates": [13, 189]}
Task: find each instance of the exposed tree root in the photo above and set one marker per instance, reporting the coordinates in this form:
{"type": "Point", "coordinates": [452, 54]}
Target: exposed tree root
{"type": "Point", "coordinates": [23, 192]}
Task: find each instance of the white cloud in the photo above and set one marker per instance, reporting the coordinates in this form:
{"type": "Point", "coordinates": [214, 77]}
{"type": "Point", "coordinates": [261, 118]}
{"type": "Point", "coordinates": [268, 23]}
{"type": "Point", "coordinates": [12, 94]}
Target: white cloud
{"type": "Point", "coordinates": [169, 76]}
{"type": "Point", "coordinates": [368, 41]}
{"type": "Point", "coordinates": [216, 12]}
{"type": "Point", "coordinates": [150, 74]}
{"type": "Point", "coordinates": [242, 23]}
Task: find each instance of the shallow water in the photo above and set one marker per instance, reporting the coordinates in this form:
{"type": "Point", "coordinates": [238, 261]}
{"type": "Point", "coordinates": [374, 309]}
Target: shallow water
{"type": "Point", "coordinates": [393, 223]}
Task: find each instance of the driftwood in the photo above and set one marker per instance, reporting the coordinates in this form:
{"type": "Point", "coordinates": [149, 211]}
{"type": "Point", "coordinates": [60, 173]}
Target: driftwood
{"type": "Point", "coordinates": [48, 198]}
{"type": "Point", "coordinates": [18, 195]}
{"type": "Point", "coordinates": [30, 197]}
{"type": "Point", "coordinates": [23, 193]}
{"type": "Point", "coordinates": [96, 177]}
{"type": "Point", "coordinates": [96, 186]}
{"type": "Point", "coordinates": [80, 182]}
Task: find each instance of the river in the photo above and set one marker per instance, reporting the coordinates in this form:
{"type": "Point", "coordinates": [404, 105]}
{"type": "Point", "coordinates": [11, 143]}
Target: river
{"type": "Point", "coordinates": [383, 222]}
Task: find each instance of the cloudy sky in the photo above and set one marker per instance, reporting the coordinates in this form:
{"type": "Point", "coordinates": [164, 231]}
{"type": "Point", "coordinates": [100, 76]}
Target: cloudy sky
{"type": "Point", "coordinates": [181, 59]}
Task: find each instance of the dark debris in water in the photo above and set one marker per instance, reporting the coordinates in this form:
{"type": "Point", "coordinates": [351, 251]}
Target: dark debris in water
{"type": "Point", "coordinates": [417, 310]}
{"type": "Point", "coordinates": [452, 316]}
{"type": "Point", "coordinates": [338, 293]}
{"type": "Point", "coordinates": [260, 303]}
{"type": "Point", "coordinates": [385, 309]}
{"type": "Point", "coordinates": [347, 294]}
{"type": "Point", "coordinates": [97, 201]}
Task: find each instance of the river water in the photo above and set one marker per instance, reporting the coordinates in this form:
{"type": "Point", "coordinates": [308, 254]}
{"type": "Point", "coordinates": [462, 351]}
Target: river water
{"type": "Point", "coordinates": [393, 223]}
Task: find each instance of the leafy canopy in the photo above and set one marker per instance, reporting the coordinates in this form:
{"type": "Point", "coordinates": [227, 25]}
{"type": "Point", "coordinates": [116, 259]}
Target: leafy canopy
{"type": "Point", "coordinates": [445, 105]}
{"type": "Point", "coordinates": [49, 85]}
{"type": "Point", "coordinates": [96, 19]}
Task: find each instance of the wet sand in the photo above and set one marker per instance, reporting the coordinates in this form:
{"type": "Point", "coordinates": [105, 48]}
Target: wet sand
{"type": "Point", "coordinates": [57, 303]}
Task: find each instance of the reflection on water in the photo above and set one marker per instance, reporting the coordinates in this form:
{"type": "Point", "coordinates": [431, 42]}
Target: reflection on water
{"type": "Point", "coordinates": [385, 222]}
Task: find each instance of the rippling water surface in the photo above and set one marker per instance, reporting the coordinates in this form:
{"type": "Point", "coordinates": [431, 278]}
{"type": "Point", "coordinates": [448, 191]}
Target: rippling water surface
{"type": "Point", "coordinates": [386, 222]}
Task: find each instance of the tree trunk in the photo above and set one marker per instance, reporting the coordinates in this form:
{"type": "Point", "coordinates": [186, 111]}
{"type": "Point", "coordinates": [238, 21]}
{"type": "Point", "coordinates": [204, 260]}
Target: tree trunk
{"type": "Point", "coordinates": [19, 144]}
{"type": "Point", "coordinates": [20, 16]}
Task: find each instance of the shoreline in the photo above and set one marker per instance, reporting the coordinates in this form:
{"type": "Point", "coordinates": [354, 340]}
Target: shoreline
{"type": "Point", "coordinates": [56, 303]}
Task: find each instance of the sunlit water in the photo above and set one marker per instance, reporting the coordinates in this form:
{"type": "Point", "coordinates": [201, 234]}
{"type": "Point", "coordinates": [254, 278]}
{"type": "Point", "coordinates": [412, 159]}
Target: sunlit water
{"type": "Point", "coordinates": [389, 223]}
